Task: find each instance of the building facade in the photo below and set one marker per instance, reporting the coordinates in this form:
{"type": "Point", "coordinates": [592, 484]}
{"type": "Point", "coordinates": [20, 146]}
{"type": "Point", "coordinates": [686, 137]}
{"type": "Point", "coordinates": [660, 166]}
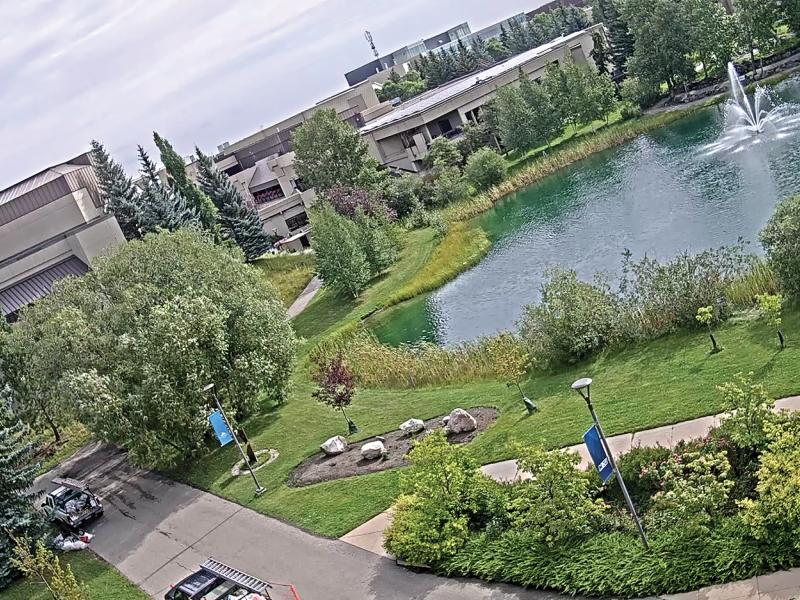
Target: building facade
{"type": "Point", "coordinates": [401, 139]}
{"type": "Point", "coordinates": [52, 225]}
{"type": "Point", "coordinates": [261, 165]}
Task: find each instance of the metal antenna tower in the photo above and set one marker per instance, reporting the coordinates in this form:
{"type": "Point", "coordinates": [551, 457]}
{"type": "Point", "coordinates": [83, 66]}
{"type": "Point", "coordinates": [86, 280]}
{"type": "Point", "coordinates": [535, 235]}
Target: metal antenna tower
{"type": "Point", "coordinates": [368, 35]}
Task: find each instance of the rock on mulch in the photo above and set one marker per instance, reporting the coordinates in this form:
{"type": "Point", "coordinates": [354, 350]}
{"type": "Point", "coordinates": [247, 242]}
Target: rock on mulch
{"type": "Point", "coordinates": [320, 467]}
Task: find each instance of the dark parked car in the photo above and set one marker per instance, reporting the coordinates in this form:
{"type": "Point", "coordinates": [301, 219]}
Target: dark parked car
{"type": "Point", "coordinates": [217, 581]}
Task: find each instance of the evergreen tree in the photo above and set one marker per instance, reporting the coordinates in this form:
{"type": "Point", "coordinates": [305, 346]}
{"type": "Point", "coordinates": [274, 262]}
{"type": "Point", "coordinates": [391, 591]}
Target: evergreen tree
{"type": "Point", "coordinates": [17, 473]}
{"type": "Point", "coordinates": [120, 195]}
{"type": "Point", "coordinates": [239, 222]}
{"type": "Point", "coordinates": [176, 174]}
{"type": "Point", "coordinates": [505, 37]}
{"type": "Point", "coordinates": [497, 50]}
{"type": "Point", "coordinates": [162, 207]}
{"type": "Point", "coordinates": [600, 53]}
{"type": "Point", "coordinates": [620, 38]}
{"type": "Point", "coordinates": [481, 52]}
{"type": "Point", "coordinates": [467, 61]}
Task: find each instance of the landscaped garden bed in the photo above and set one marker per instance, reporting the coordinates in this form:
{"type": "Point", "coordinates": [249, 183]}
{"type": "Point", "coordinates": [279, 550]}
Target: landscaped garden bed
{"type": "Point", "coordinates": [718, 509]}
{"type": "Point", "coordinates": [398, 444]}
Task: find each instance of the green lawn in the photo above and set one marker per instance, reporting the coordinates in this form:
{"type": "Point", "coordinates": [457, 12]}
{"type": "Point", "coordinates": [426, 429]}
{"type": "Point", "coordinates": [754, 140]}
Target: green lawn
{"type": "Point", "coordinates": [665, 381]}
{"type": "Point", "coordinates": [331, 310]}
{"type": "Point", "coordinates": [103, 581]}
{"type": "Point", "coordinates": [290, 273]}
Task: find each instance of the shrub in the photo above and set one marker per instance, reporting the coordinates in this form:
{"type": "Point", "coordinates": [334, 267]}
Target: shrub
{"type": "Point", "coordinates": [630, 111]}
{"type": "Point", "coordinates": [660, 298]}
{"type": "Point", "coordinates": [449, 187]}
{"type": "Point", "coordinates": [775, 512]}
{"type": "Point", "coordinates": [378, 240]}
{"type": "Point", "coordinates": [781, 241]}
{"type": "Point", "coordinates": [444, 496]}
{"type": "Point", "coordinates": [572, 320]}
{"type": "Point", "coordinates": [640, 469]}
{"type": "Point", "coordinates": [444, 154]}
{"type": "Point", "coordinates": [748, 409]}
{"type": "Point", "coordinates": [404, 194]}
{"type": "Point", "coordinates": [639, 93]}
{"type": "Point", "coordinates": [555, 504]}
{"type": "Point", "coordinates": [695, 488]}
{"type": "Point", "coordinates": [485, 168]}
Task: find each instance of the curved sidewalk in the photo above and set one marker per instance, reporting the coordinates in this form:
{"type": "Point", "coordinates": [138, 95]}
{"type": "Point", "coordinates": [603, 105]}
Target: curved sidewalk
{"type": "Point", "coordinates": [782, 585]}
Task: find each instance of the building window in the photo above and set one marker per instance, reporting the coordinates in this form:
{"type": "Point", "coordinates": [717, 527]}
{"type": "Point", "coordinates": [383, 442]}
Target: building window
{"type": "Point", "coordinates": [268, 195]}
{"type": "Point", "coordinates": [297, 221]}
{"type": "Point", "coordinates": [300, 185]}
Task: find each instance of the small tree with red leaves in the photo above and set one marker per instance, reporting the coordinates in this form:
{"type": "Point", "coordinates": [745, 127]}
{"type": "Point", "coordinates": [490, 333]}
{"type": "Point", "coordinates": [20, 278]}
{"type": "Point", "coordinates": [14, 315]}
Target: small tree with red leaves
{"type": "Point", "coordinates": [336, 385]}
{"type": "Point", "coordinates": [348, 200]}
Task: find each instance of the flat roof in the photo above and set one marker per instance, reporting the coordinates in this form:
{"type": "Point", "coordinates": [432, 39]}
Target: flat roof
{"type": "Point", "coordinates": [445, 92]}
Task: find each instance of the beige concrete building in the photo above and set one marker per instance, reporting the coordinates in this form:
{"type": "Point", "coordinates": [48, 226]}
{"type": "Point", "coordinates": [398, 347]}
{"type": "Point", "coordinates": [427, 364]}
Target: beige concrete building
{"type": "Point", "coordinates": [262, 165]}
{"type": "Point", "coordinates": [401, 138]}
{"type": "Point", "coordinates": [52, 225]}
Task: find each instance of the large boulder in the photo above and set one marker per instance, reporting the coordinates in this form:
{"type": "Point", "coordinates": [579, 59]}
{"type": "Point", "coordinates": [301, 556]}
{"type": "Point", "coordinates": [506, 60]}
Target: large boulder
{"type": "Point", "coordinates": [412, 426]}
{"type": "Point", "coordinates": [335, 445]}
{"type": "Point", "coordinates": [461, 421]}
{"type": "Point", "coordinates": [373, 450]}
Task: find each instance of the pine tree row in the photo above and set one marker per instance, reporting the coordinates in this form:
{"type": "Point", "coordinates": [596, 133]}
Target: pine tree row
{"type": "Point", "coordinates": [151, 203]}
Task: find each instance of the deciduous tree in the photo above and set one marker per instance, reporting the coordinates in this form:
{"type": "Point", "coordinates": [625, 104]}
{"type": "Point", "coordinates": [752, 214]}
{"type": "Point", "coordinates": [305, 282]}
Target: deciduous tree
{"type": "Point", "coordinates": [341, 261]}
{"type": "Point", "coordinates": [44, 567]}
{"type": "Point", "coordinates": [330, 153]}
{"type": "Point", "coordinates": [130, 346]}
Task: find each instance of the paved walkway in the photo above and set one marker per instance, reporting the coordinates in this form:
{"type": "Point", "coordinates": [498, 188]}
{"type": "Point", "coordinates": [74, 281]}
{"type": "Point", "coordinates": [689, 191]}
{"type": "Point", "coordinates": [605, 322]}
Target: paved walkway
{"type": "Point", "coordinates": [157, 531]}
{"type": "Point", "coordinates": [783, 585]}
{"type": "Point", "coordinates": [306, 296]}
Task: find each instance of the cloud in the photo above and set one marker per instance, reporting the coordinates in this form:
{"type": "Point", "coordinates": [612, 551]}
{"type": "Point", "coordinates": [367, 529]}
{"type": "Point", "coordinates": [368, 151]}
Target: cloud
{"type": "Point", "coordinates": [200, 72]}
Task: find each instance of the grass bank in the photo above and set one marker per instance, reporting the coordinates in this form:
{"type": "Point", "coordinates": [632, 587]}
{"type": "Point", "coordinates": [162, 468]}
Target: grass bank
{"type": "Point", "coordinates": [559, 157]}
{"type": "Point", "coordinates": [102, 580]}
{"type": "Point", "coordinates": [463, 247]}
{"type": "Point", "coordinates": [290, 273]}
{"type": "Point", "coordinates": [665, 381]}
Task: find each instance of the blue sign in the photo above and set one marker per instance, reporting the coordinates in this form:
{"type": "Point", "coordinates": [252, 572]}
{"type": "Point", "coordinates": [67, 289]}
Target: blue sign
{"type": "Point", "coordinates": [221, 428]}
{"type": "Point", "coordinates": [598, 454]}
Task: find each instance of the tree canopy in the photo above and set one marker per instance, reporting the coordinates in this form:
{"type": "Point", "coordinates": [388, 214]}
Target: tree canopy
{"type": "Point", "coordinates": [330, 153]}
{"type": "Point", "coordinates": [129, 347]}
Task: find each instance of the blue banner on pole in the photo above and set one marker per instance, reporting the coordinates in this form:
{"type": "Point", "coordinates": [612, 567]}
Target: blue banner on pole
{"type": "Point", "coordinates": [221, 428]}
{"type": "Point", "coordinates": [598, 454]}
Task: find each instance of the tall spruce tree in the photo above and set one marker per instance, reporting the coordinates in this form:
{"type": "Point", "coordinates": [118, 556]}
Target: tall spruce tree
{"type": "Point", "coordinates": [620, 39]}
{"type": "Point", "coordinates": [163, 207]}
{"type": "Point", "coordinates": [17, 474]}
{"type": "Point", "coordinates": [120, 195]}
{"type": "Point", "coordinates": [176, 173]}
{"type": "Point", "coordinates": [239, 222]}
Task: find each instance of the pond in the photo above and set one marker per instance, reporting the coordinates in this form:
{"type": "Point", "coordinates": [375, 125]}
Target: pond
{"type": "Point", "coordinates": [658, 195]}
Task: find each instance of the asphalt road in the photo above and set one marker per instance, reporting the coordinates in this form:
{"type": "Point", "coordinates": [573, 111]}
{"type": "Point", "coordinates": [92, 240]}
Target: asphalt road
{"type": "Point", "coordinates": [157, 531]}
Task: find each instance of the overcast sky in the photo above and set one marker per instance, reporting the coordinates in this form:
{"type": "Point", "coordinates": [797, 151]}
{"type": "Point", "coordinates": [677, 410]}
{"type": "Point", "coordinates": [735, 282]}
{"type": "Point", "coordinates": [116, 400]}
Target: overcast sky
{"type": "Point", "coordinates": [196, 71]}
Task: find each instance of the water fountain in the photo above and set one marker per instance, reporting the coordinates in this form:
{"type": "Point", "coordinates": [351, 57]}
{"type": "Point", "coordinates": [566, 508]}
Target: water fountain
{"type": "Point", "coordinates": [750, 122]}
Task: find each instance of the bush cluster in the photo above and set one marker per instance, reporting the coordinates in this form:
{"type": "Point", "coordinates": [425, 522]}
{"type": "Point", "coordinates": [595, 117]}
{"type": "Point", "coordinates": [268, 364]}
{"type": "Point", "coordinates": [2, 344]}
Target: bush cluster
{"type": "Point", "coordinates": [575, 318]}
{"type": "Point", "coordinates": [560, 529]}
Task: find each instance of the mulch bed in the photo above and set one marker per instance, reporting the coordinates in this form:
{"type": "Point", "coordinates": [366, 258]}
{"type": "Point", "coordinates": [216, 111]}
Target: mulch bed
{"type": "Point", "coordinates": [321, 467]}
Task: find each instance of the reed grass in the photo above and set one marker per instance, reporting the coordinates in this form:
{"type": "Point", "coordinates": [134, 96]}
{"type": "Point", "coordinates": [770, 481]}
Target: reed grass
{"type": "Point", "coordinates": [423, 364]}
{"type": "Point", "coordinates": [759, 279]}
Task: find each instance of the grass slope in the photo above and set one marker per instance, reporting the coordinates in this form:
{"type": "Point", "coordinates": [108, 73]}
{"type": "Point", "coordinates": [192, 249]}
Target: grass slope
{"type": "Point", "coordinates": [290, 273]}
{"type": "Point", "coordinates": [102, 580]}
{"type": "Point", "coordinates": [666, 381]}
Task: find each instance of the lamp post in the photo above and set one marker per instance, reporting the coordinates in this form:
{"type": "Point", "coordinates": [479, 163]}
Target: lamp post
{"type": "Point", "coordinates": [210, 388]}
{"type": "Point", "coordinates": [583, 387]}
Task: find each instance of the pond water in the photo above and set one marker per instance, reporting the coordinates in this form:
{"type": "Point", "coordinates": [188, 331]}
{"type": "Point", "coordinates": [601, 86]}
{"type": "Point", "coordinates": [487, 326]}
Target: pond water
{"type": "Point", "coordinates": [659, 195]}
